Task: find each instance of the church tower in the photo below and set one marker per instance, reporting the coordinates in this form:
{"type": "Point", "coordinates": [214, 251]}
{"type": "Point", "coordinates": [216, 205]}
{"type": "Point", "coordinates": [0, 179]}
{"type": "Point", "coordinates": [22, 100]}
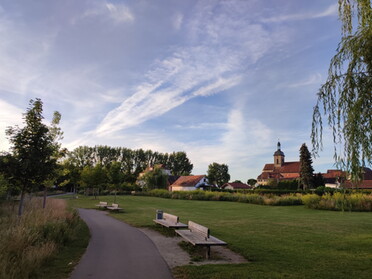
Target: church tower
{"type": "Point", "coordinates": [278, 157]}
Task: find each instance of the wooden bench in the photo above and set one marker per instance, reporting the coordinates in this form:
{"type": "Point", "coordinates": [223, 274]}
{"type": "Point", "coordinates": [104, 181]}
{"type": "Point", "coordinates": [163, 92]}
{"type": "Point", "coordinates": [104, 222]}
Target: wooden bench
{"type": "Point", "coordinates": [198, 235]}
{"type": "Point", "coordinates": [170, 221]}
{"type": "Point", "coordinates": [102, 204]}
{"type": "Point", "coordinates": [114, 207]}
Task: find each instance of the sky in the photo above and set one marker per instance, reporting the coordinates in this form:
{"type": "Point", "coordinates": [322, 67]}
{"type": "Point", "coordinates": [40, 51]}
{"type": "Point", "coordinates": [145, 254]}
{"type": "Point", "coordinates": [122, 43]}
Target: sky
{"type": "Point", "coordinates": [221, 80]}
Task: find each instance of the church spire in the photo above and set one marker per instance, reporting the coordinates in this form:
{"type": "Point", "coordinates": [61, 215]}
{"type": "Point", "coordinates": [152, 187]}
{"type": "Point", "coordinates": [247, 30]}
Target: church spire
{"type": "Point", "coordinates": [278, 156]}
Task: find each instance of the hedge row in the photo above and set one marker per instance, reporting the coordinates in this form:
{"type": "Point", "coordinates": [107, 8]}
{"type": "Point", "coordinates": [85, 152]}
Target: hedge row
{"type": "Point", "coordinates": [329, 201]}
{"type": "Point", "coordinates": [339, 201]}
{"type": "Point", "coordinates": [290, 199]}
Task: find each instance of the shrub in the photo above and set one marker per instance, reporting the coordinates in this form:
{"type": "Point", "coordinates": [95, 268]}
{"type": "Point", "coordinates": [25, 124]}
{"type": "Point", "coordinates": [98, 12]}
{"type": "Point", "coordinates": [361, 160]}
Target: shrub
{"type": "Point", "coordinates": [289, 200]}
{"type": "Point", "coordinates": [161, 193]}
{"type": "Point", "coordinates": [339, 201]}
{"type": "Point", "coordinates": [311, 200]}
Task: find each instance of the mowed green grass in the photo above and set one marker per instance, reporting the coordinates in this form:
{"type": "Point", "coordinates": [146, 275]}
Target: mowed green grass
{"type": "Point", "coordinates": [279, 242]}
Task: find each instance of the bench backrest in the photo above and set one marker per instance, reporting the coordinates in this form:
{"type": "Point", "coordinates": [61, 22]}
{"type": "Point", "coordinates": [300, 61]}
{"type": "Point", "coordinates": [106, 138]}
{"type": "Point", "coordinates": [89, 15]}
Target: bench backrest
{"type": "Point", "coordinates": [115, 205]}
{"type": "Point", "coordinates": [170, 218]}
{"type": "Point", "coordinates": [196, 228]}
{"type": "Point", "coordinates": [102, 203]}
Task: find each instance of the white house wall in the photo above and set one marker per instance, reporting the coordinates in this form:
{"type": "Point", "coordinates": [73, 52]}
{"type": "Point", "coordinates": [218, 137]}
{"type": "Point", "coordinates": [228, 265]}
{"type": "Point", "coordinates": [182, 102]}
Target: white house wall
{"type": "Point", "coordinates": [180, 188]}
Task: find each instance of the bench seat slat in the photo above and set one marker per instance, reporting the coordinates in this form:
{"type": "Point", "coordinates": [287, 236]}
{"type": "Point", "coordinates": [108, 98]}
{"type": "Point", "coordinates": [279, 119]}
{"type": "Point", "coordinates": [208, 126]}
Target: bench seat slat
{"type": "Point", "coordinates": [114, 206]}
{"type": "Point", "coordinates": [167, 224]}
{"type": "Point", "coordinates": [198, 239]}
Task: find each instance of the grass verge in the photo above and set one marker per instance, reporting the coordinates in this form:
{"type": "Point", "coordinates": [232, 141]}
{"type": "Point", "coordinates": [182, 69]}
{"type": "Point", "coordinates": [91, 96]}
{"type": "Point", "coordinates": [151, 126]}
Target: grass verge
{"type": "Point", "coordinates": [42, 242]}
{"type": "Point", "coordinates": [61, 265]}
{"type": "Point", "coordinates": [279, 242]}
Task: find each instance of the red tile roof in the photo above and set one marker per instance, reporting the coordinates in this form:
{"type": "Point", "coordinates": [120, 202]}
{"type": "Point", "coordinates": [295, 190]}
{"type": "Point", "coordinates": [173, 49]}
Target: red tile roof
{"type": "Point", "coordinates": [188, 181]}
{"type": "Point", "coordinates": [237, 185]}
{"type": "Point", "coordinates": [268, 167]}
{"type": "Point", "coordinates": [287, 167]}
{"type": "Point", "coordinates": [268, 175]}
{"type": "Point", "coordinates": [366, 184]}
{"type": "Point", "coordinates": [333, 174]}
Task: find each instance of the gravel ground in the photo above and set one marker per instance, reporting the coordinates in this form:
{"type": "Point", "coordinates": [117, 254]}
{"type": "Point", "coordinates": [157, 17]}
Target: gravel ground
{"type": "Point", "coordinates": [174, 255]}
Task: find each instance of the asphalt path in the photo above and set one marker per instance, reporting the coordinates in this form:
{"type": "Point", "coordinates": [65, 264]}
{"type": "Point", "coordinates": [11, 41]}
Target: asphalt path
{"type": "Point", "coordinates": [118, 251]}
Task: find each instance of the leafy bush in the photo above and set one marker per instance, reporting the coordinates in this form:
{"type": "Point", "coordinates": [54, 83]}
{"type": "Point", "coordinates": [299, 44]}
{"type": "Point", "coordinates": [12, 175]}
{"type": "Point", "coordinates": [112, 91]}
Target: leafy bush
{"type": "Point", "coordinates": [161, 193]}
{"type": "Point", "coordinates": [339, 201]}
{"type": "Point", "coordinates": [321, 190]}
{"type": "Point", "coordinates": [289, 200]}
{"type": "Point", "coordinates": [270, 199]}
{"type": "Point", "coordinates": [311, 200]}
{"type": "Point", "coordinates": [288, 184]}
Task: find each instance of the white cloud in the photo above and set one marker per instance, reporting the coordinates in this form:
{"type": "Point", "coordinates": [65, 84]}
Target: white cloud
{"type": "Point", "coordinates": [330, 11]}
{"type": "Point", "coordinates": [314, 79]}
{"type": "Point", "coordinates": [116, 13]}
{"type": "Point", "coordinates": [177, 21]}
{"type": "Point", "coordinates": [211, 63]}
{"type": "Point", "coordinates": [119, 13]}
{"type": "Point", "coordinates": [9, 116]}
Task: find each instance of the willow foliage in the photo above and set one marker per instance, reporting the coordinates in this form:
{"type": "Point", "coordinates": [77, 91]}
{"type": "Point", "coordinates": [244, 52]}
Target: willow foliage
{"type": "Point", "coordinates": [346, 97]}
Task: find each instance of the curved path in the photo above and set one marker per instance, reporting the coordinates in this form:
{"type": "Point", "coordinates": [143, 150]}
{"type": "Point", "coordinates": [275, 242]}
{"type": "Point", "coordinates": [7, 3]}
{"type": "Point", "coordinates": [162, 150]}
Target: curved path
{"type": "Point", "coordinates": [117, 250]}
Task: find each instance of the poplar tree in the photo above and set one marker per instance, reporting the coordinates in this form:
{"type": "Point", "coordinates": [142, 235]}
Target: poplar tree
{"type": "Point", "coordinates": [306, 168]}
{"type": "Point", "coordinates": [345, 99]}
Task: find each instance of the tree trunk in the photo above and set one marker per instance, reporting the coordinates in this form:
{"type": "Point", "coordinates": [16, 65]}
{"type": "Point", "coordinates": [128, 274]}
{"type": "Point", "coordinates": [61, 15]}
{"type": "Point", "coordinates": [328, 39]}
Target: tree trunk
{"type": "Point", "coordinates": [45, 196]}
{"type": "Point", "coordinates": [20, 207]}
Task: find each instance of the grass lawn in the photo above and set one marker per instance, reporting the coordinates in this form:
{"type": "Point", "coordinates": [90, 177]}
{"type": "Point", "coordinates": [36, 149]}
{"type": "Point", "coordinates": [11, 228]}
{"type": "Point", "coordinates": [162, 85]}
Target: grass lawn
{"type": "Point", "coordinates": [279, 242]}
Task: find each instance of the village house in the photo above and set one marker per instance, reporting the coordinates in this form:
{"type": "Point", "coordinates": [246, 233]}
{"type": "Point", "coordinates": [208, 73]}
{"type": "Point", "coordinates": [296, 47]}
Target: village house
{"type": "Point", "coordinates": [333, 178]}
{"type": "Point", "coordinates": [279, 170]}
{"type": "Point", "coordinates": [235, 186]}
{"type": "Point", "coordinates": [366, 182]}
{"type": "Point", "coordinates": [189, 183]}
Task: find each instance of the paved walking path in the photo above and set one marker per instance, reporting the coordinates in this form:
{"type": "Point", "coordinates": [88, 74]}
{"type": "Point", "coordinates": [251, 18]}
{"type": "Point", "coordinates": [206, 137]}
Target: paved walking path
{"type": "Point", "coordinates": [118, 251]}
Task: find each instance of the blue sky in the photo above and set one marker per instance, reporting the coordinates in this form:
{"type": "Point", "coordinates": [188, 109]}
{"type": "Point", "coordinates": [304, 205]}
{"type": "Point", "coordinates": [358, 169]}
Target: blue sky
{"type": "Point", "coordinates": [221, 80]}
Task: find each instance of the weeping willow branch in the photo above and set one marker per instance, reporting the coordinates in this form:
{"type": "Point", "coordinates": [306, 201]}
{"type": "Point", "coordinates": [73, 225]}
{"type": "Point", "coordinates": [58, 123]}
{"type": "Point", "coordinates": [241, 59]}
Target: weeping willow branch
{"type": "Point", "coordinates": [346, 97]}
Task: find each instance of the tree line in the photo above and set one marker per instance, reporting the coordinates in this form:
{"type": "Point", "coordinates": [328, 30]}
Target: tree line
{"type": "Point", "coordinates": [37, 162]}
{"type": "Point", "coordinates": [101, 166]}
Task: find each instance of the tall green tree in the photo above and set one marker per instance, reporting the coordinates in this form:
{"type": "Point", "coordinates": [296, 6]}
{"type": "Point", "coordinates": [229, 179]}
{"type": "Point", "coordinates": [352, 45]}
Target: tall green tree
{"type": "Point", "coordinates": [251, 181]}
{"type": "Point", "coordinates": [94, 177]}
{"type": "Point", "coordinates": [179, 164]}
{"type": "Point", "coordinates": [34, 150]}
{"type": "Point", "coordinates": [306, 168]}
{"type": "Point", "coordinates": [345, 99]}
{"type": "Point", "coordinates": [218, 174]}
{"type": "Point", "coordinates": [318, 180]}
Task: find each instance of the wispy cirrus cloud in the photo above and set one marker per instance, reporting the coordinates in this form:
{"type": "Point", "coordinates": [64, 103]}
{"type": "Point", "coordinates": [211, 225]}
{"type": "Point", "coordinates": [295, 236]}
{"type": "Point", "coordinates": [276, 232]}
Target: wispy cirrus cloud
{"type": "Point", "coordinates": [330, 11]}
{"type": "Point", "coordinates": [116, 13]}
{"type": "Point", "coordinates": [212, 62]}
{"type": "Point", "coordinates": [177, 21]}
{"type": "Point", "coordinates": [314, 79]}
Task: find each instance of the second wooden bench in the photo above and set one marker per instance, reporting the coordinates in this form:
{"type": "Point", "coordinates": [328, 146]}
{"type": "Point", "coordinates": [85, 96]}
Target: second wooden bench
{"type": "Point", "coordinates": [198, 235]}
{"type": "Point", "coordinates": [114, 207]}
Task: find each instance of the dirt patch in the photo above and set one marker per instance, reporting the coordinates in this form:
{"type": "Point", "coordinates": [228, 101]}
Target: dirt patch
{"type": "Point", "coordinates": [174, 255]}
